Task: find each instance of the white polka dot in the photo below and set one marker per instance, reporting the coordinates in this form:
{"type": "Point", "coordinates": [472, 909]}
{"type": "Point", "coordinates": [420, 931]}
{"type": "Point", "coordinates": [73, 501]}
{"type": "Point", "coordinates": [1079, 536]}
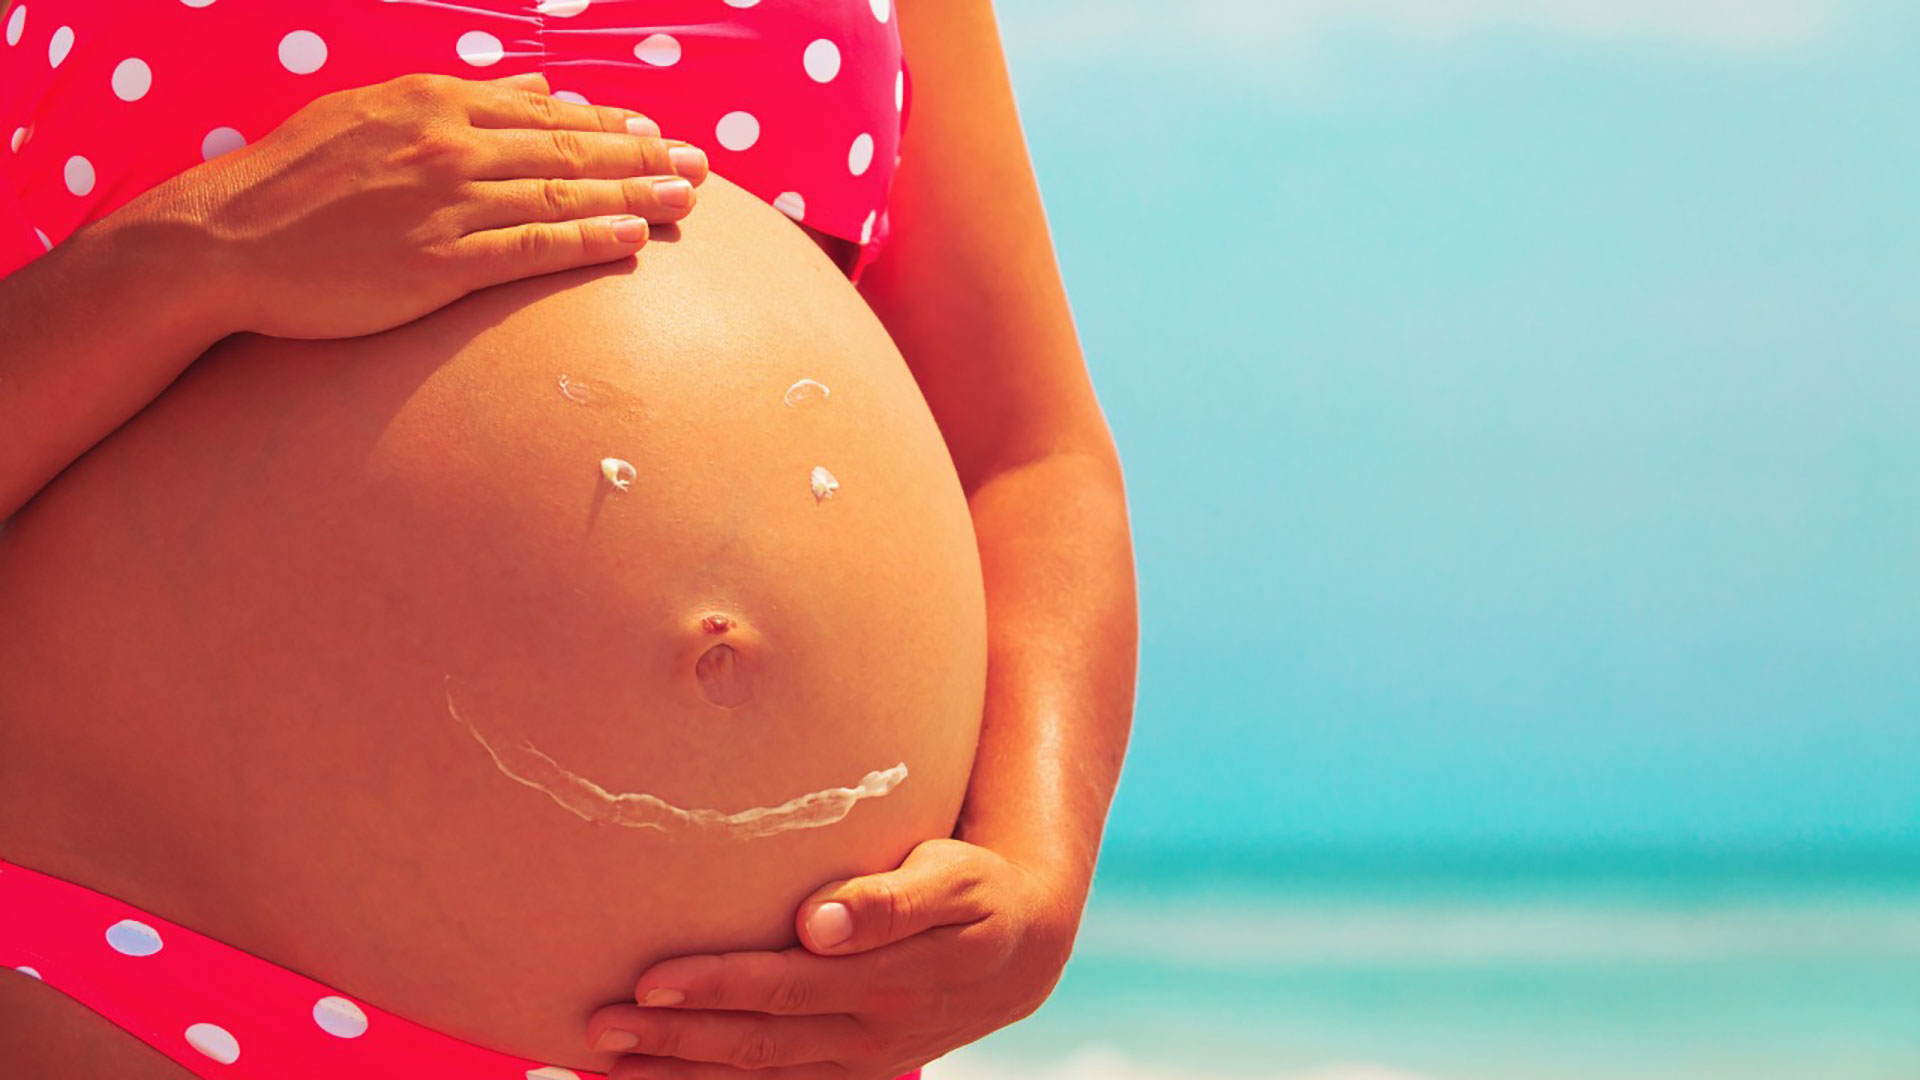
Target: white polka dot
{"type": "Point", "coordinates": [44, 242]}
{"type": "Point", "coordinates": [132, 79]}
{"type": "Point", "coordinates": [19, 139]}
{"type": "Point", "coordinates": [302, 52]}
{"type": "Point", "coordinates": [879, 9]}
{"type": "Point", "coordinates": [80, 178]}
{"type": "Point", "coordinates": [339, 1017]}
{"type": "Point", "coordinates": [866, 228]}
{"type": "Point", "coordinates": [568, 95]}
{"type": "Point", "coordinates": [219, 141]}
{"type": "Point", "coordinates": [552, 1072]}
{"type": "Point", "coordinates": [791, 204]}
{"type": "Point", "coordinates": [479, 48]}
{"type": "Point", "coordinates": [133, 938]}
{"type": "Point", "coordinates": [737, 130]}
{"type": "Point", "coordinates": [27, 971]}
{"type": "Point", "coordinates": [860, 154]}
{"type": "Point", "coordinates": [561, 9]}
{"type": "Point", "coordinates": [16, 24]}
{"type": "Point", "coordinates": [822, 60]}
{"type": "Point", "coordinates": [742, 3]}
{"type": "Point", "coordinates": [660, 50]}
{"type": "Point", "coordinates": [196, 3]}
{"type": "Point", "coordinates": [900, 90]}
{"type": "Point", "coordinates": [214, 1041]}
{"type": "Point", "coordinates": [60, 46]}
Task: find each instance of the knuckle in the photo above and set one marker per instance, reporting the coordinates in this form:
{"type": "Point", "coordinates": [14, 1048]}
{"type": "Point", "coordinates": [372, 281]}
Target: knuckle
{"type": "Point", "coordinates": [652, 155]}
{"type": "Point", "coordinates": [431, 241]}
{"type": "Point", "coordinates": [536, 245]}
{"type": "Point", "coordinates": [436, 151]}
{"type": "Point", "coordinates": [607, 120]}
{"type": "Point", "coordinates": [544, 108]}
{"type": "Point", "coordinates": [420, 86]}
{"type": "Point", "coordinates": [755, 1050]}
{"type": "Point", "coordinates": [790, 995]}
{"type": "Point", "coordinates": [640, 198]}
{"type": "Point", "coordinates": [554, 199]}
{"type": "Point", "coordinates": [569, 149]}
{"type": "Point", "coordinates": [660, 1040]}
{"type": "Point", "coordinates": [896, 906]}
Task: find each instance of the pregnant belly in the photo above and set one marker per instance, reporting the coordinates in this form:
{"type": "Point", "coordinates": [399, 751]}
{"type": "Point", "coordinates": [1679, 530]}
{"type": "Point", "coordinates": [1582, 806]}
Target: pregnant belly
{"type": "Point", "coordinates": [473, 666]}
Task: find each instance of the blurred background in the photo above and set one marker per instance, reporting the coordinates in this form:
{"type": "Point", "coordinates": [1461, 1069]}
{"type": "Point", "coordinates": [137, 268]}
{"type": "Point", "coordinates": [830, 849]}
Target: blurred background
{"type": "Point", "coordinates": [1521, 410]}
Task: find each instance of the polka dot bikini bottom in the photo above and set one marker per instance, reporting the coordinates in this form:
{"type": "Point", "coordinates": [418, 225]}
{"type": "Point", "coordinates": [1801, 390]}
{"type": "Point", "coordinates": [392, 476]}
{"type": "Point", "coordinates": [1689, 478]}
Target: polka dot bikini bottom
{"type": "Point", "coordinates": [215, 1010]}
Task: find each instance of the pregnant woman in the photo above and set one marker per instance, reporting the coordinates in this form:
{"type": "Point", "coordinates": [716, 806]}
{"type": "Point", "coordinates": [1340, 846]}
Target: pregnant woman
{"type": "Point", "coordinates": [443, 637]}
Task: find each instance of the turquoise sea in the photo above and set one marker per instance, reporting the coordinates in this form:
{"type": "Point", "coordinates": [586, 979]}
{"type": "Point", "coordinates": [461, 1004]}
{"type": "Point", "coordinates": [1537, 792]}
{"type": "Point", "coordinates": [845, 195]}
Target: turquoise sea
{"type": "Point", "coordinates": [1677, 965]}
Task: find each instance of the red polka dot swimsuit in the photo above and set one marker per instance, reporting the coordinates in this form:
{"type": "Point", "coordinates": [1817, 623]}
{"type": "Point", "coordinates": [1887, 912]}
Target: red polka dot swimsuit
{"type": "Point", "coordinates": [798, 101]}
{"type": "Point", "coordinates": [222, 1013]}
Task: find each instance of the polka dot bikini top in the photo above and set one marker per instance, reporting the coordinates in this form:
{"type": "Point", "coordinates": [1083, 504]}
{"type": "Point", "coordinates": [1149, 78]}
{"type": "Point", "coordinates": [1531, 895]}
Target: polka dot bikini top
{"type": "Point", "coordinates": [800, 102]}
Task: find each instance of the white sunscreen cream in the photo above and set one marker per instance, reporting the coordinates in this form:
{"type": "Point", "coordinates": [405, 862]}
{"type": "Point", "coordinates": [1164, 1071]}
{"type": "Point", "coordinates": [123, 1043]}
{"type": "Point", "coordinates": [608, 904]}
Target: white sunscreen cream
{"type": "Point", "coordinates": [589, 801]}
{"type": "Point", "coordinates": [805, 391]}
{"type": "Point", "coordinates": [618, 473]}
{"type": "Point", "coordinates": [823, 483]}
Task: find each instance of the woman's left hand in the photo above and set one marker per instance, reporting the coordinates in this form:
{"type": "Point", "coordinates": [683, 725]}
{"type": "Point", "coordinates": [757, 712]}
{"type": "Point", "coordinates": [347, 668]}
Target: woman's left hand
{"type": "Point", "coordinates": [896, 970]}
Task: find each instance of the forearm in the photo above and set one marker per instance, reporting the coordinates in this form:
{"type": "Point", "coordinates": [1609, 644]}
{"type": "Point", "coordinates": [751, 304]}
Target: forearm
{"type": "Point", "coordinates": [90, 333]}
{"type": "Point", "coordinates": [1062, 641]}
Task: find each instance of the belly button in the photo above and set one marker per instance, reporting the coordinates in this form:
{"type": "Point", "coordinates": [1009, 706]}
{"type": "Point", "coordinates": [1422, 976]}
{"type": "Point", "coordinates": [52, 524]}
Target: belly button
{"type": "Point", "coordinates": [722, 670]}
{"type": "Point", "coordinates": [722, 677]}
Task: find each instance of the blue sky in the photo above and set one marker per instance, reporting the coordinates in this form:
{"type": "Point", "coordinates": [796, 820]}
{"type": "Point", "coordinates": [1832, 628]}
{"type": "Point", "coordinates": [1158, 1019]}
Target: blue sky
{"type": "Point", "coordinates": [1520, 407]}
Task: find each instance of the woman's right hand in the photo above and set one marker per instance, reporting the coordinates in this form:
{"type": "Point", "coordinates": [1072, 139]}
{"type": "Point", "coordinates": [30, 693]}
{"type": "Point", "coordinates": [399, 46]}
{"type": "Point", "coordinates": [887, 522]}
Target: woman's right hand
{"type": "Point", "coordinates": [373, 206]}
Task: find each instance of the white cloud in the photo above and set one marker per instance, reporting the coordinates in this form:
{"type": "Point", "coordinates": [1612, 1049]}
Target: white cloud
{"type": "Point", "coordinates": [1241, 31]}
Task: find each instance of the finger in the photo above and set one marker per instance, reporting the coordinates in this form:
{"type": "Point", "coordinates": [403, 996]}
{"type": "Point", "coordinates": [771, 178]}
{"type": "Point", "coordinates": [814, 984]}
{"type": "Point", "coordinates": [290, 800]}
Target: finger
{"type": "Point", "coordinates": [531, 81]}
{"type": "Point", "coordinates": [507, 155]}
{"type": "Point", "coordinates": [494, 105]}
{"type": "Point", "coordinates": [501, 203]}
{"type": "Point", "coordinates": [789, 983]}
{"type": "Point", "coordinates": [498, 255]}
{"type": "Point", "coordinates": [651, 1068]}
{"type": "Point", "coordinates": [942, 883]}
{"type": "Point", "coordinates": [742, 1039]}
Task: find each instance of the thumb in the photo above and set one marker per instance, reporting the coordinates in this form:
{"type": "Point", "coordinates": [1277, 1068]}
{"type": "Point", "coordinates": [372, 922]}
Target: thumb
{"type": "Point", "coordinates": [526, 80]}
{"type": "Point", "coordinates": [938, 885]}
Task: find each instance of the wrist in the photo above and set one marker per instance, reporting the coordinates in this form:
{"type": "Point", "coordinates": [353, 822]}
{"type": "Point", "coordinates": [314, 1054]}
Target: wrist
{"type": "Point", "coordinates": [1064, 869]}
{"type": "Point", "coordinates": [166, 263]}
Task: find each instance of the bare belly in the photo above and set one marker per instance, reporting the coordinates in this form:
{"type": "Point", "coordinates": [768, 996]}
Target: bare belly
{"type": "Point", "coordinates": [283, 658]}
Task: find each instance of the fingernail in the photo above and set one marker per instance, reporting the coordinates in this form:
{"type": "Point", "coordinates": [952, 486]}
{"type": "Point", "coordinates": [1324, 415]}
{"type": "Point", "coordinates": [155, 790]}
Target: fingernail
{"type": "Point", "coordinates": [830, 924]}
{"type": "Point", "coordinates": [663, 996]}
{"type": "Point", "coordinates": [674, 192]}
{"type": "Point", "coordinates": [643, 127]}
{"type": "Point", "coordinates": [687, 159]}
{"type": "Point", "coordinates": [615, 1039]}
{"type": "Point", "coordinates": [630, 230]}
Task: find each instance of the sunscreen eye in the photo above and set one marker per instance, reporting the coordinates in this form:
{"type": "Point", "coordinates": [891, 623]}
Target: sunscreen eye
{"type": "Point", "coordinates": [823, 483]}
{"type": "Point", "coordinates": [618, 473]}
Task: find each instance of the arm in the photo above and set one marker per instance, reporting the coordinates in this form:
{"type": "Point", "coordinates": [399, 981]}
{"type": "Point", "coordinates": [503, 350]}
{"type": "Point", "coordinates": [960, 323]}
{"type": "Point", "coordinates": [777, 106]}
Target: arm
{"type": "Point", "coordinates": [970, 291]}
{"type": "Point", "coordinates": [366, 209]}
{"type": "Point", "coordinates": [94, 330]}
{"type": "Point", "coordinates": [971, 933]}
